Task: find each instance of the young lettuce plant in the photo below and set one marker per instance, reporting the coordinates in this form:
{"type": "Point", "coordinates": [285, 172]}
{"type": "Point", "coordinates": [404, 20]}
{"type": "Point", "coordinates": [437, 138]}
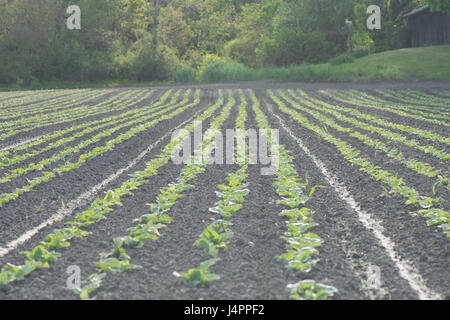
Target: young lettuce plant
{"type": "Point", "coordinates": [100, 207]}
{"type": "Point", "coordinates": [310, 290]}
{"type": "Point", "coordinates": [148, 225]}
{"type": "Point", "coordinates": [424, 204]}
{"type": "Point", "coordinates": [201, 277]}
{"type": "Point", "coordinates": [301, 245]}
{"type": "Point", "coordinates": [214, 238]}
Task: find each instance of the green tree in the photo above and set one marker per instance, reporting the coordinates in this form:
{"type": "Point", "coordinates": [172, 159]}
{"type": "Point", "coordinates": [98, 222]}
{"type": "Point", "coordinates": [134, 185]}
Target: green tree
{"type": "Point", "coordinates": [439, 5]}
{"type": "Point", "coordinates": [173, 29]}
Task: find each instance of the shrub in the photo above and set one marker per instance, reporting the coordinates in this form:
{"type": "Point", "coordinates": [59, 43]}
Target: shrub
{"type": "Point", "coordinates": [295, 47]}
{"type": "Point", "coordinates": [208, 60]}
{"type": "Point", "coordinates": [186, 74]}
{"type": "Point", "coordinates": [342, 59]}
{"type": "Point", "coordinates": [193, 58]}
{"type": "Point", "coordinates": [221, 71]}
{"type": "Point", "coordinates": [152, 64]}
{"type": "Point", "coordinates": [242, 50]}
{"type": "Point", "coordinates": [360, 53]}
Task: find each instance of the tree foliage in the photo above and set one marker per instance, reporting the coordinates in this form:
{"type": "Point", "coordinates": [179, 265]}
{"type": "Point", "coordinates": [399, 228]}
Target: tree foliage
{"type": "Point", "coordinates": [117, 36]}
{"type": "Point", "coordinates": [439, 5]}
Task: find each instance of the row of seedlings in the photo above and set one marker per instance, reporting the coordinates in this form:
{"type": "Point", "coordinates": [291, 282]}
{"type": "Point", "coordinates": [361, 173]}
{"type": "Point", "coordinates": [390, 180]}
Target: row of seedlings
{"type": "Point", "coordinates": [401, 112]}
{"type": "Point", "coordinates": [149, 225]}
{"type": "Point", "coordinates": [301, 244]}
{"type": "Point", "coordinates": [418, 107]}
{"type": "Point", "coordinates": [427, 206]}
{"type": "Point", "coordinates": [14, 155]}
{"type": "Point", "coordinates": [53, 105]}
{"type": "Point", "coordinates": [216, 236]}
{"type": "Point", "coordinates": [108, 146]}
{"type": "Point", "coordinates": [122, 101]}
{"type": "Point", "coordinates": [47, 252]}
{"type": "Point", "coordinates": [425, 134]}
{"type": "Point", "coordinates": [417, 97]}
{"type": "Point", "coordinates": [117, 124]}
{"type": "Point", "coordinates": [33, 102]}
{"type": "Point", "coordinates": [17, 119]}
{"type": "Point", "coordinates": [12, 97]}
{"type": "Point", "coordinates": [360, 97]}
{"type": "Point", "coordinates": [442, 93]}
{"type": "Point", "coordinates": [422, 168]}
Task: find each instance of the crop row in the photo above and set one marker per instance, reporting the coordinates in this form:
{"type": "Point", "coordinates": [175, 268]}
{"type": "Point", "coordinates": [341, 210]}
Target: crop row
{"type": "Point", "coordinates": [108, 146]}
{"type": "Point", "coordinates": [47, 252]}
{"type": "Point", "coordinates": [417, 98]}
{"type": "Point", "coordinates": [51, 105]}
{"type": "Point", "coordinates": [301, 245]}
{"type": "Point", "coordinates": [401, 110]}
{"type": "Point", "coordinates": [426, 96]}
{"type": "Point", "coordinates": [427, 206]}
{"type": "Point", "coordinates": [216, 235]}
{"type": "Point", "coordinates": [426, 106]}
{"type": "Point", "coordinates": [119, 102]}
{"type": "Point", "coordinates": [91, 127]}
{"type": "Point", "coordinates": [37, 121]}
{"type": "Point", "coordinates": [425, 134]}
{"type": "Point", "coordinates": [67, 102]}
{"type": "Point", "coordinates": [391, 136]}
{"type": "Point", "coordinates": [33, 98]}
{"type": "Point", "coordinates": [442, 93]}
{"type": "Point", "coordinates": [143, 116]}
{"type": "Point", "coordinates": [59, 117]}
{"type": "Point", "coordinates": [12, 157]}
{"type": "Point", "coordinates": [19, 114]}
{"type": "Point", "coordinates": [6, 96]}
{"type": "Point", "coordinates": [148, 225]}
{"type": "Point", "coordinates": [413, 105]}
{"type": "Point", "coordinates": [419, 167]}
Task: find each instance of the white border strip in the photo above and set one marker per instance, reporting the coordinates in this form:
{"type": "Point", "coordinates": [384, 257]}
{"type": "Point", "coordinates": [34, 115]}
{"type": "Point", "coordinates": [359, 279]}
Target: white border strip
{"type": "Point", "coordinates": [406, 270]}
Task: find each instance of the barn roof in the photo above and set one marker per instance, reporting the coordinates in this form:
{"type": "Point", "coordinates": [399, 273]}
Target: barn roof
{"type": "Point", "coordinates": [416, 11]}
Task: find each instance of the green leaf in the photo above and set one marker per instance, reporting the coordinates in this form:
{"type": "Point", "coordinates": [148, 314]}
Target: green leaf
{"type": "Point", "coordinates": [114, 265]}
{"type": "Point", "coordinates": [310, 290]}
{"type": "Point", "coordinates": [133, 243]}
{"type": "Point", "coordinates": [208, 263]}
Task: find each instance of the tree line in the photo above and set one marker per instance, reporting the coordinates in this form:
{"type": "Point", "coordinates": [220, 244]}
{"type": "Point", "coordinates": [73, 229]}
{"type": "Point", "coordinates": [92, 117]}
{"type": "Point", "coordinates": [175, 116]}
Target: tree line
{"type": "Point", "coordinates": [152, 39]}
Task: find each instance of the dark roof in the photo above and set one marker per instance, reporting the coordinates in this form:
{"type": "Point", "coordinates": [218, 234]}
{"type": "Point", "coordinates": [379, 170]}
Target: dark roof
{"type": "Point", "coordinates": [416, 11]}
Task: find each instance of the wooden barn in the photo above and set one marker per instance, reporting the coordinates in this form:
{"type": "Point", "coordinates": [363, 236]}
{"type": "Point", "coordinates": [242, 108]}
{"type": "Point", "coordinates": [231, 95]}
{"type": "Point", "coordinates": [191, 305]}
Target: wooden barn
{"type": "Point", "coordinates": [428, 28]}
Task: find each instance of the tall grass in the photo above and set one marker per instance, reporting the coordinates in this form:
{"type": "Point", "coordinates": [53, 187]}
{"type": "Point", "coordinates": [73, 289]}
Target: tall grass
{"type": "Point", "coordinates": [185, 75]}
{"type": "Point", "coordinates": [431, 63]}
{"type": "Point", "coordinates": [233, 71]}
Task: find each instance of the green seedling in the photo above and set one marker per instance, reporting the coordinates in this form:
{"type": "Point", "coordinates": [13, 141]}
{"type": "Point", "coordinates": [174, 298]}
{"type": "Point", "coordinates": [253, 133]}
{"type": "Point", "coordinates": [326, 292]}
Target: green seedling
{"type": "Point", "coordinates": [93, 284]}
{"type": "Point", "coordinates": [118, 252]}
{"type": "Point", "coordinates": [310, 290]}
{"type": "Point", "coordinates": [212, 241]}
{"type": "Point", "coordinates": [12, 273]}
{"type": "Point", "coordinates": [114, 265]}
{"type": "Point", "coordinates": [39, 257]}
{"type": "Point", "coordinates": [201, 277]}
{"type": "Point", "coordinates": [59, 238]}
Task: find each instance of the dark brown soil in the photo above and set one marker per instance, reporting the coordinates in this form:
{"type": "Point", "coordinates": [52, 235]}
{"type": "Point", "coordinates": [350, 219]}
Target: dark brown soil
{"type": "Point", "coordinates": [248, 269]}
